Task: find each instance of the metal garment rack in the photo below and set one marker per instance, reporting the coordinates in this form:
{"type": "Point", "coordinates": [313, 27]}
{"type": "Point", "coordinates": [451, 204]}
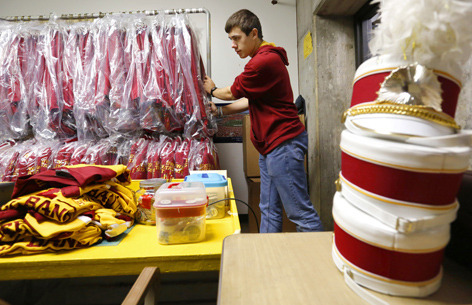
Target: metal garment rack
{"type": "Point", "coordinates": [149, 13]}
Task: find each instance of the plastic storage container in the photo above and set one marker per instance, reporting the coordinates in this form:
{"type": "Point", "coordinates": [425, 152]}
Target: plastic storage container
{"type": "Point", "coordinates": [145, 213]}
{"type": "Point", "coordinates": [180, 212]}
{"type": "Point", "coordinates": [215, 186]}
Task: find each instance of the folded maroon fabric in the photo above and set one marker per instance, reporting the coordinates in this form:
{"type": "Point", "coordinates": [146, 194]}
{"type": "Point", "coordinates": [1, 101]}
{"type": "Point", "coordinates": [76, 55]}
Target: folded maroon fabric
{"type": "Point", "coordinates": [70, 180]}
{"type": "Point", "coordinates": [12, 214]}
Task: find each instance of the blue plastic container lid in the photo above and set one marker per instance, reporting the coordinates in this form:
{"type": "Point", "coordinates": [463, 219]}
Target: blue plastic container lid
{"type": "Point", "coordinates": [208, 179]}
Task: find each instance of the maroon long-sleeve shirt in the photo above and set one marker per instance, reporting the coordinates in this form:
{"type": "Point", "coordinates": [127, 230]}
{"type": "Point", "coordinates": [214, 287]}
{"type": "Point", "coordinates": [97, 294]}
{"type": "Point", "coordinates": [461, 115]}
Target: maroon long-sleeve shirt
{"type": "Point", "coordinates": [266, 84]}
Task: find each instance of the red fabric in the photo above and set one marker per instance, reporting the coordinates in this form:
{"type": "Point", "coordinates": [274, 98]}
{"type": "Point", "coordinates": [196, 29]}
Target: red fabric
{"type": "Point", "coordinates": [9, 174]}
{"type": "Point", "coordinates": [199, 101]}
{"type": "Point", "coordinates": [110, 155]}
{"type": "Point", "coordinates": [203, 155]}
{"type": "Point", "coordinates": [38, 78]}
{"type": "Point", "coordinates": [266, 83]}
{"type": "Point", "coordinates": [68, 127]}
{"type": "Point", "coordinates": [118, 75]}
{"type": "Point", "coordinates": [150, 111]}
{"type": "Point", "coordinates": [159, 85]}
{"type": "Point", "coordinates": [89, 155]}
{"type": "Point", "coordinates": [137, 160]}
{"type": "Point", "coordinates": [12, 214]}
{"type": "Point", "coordinates": [67, 82]}
{"type": "Point", "coordinates": [164, 82]}
{"type": "Point", "coordinates": [100, 78]}
{"type": "Point", "coordinates": [167, 160]}
{"type": "Point", "coordinates": [135, 63]}
{"type": "Point", "coordinates": [44, 158]}
{"type": "Point", "coordinates": [177, 212]}
{"type": "Point", "coordinates": [50, 103]}
{"type": "Point", "coordinates": [102, 153]}
{"type": "Point", "coordinates": [365, 90]}
{"type": "Point", "coordinates": [153, 160]}
{"type": "Point", "coordinates": [184, 51]}
{"type": "Point", "coordinates": [450, 95]}
{"type": "Point", "coordinates": [79, 153]}
{"type": "Point", "coordinates": [26, 163]}
{"type": "Point", "coordinates": [423, 188]}
{"type": "Point", "coordinates": [96, 155]}
{"type": "Point", "coordinates": [51, 80]}
{"type": "Point", "coordinates": [58, 106]}
{"type": "Point", "coordinates": [208, 155]}
{"type": "Point", "coordinates": [63, 155]}
{"type": "Point", "coordinates": [181, 169]}
{"type": "Point", "coordinates": [103, 82]}
{"type": "Point", "coordinates": [175, 78]}
{"type": "Point", "coordinates": [14, 89]}
{"type": "Point", "coordinates": [68, 179]}
{"type": "Point", "coordinates": [401, 266]}
{"type": "Point", "coordinates": [115, 55]}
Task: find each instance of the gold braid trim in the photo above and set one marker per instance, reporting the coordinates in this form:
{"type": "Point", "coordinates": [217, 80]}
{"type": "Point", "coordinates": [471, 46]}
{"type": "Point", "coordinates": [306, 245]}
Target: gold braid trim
{"type": "Point", "coordinates": [422, 112]}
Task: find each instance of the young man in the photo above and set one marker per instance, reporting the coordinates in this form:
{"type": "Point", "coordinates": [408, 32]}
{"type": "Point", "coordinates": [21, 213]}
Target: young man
{"type": "Point", "coordinates": [277, 133]}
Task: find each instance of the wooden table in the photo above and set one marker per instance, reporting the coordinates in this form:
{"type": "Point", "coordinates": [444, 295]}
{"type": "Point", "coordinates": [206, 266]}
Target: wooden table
{"type": "Point", "coordinates": [136, 251]}
{"type": "Point", "coordinates": [297, 268]}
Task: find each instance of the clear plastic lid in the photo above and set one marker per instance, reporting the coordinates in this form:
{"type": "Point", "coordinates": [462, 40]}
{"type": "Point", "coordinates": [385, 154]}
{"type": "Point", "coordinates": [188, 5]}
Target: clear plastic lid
{"type": "Point", "coordinates": [154, 182]}
{"type": "Point", "coordinates": [180, 195]}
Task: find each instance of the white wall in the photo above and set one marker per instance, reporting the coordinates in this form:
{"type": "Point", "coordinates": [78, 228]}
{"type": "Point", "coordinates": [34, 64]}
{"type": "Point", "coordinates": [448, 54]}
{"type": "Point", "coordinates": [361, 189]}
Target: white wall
{"type": "Point", "coordinates": [278, 26]}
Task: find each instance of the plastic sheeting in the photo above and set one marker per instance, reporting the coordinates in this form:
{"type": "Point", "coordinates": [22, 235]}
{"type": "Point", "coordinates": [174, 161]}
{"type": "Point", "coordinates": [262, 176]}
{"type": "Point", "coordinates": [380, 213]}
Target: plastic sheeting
{"type": "Point", "coordinates": [122, 89]}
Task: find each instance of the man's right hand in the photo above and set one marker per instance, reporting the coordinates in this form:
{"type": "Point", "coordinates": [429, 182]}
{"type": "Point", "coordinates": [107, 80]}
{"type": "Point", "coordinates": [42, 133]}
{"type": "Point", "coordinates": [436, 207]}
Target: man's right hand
{"type": "Point", "coordinates": [213, 109]}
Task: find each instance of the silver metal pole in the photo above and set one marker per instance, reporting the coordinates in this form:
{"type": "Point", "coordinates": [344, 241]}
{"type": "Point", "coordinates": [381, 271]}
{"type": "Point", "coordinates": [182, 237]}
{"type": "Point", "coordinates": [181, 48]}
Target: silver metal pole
{"type": "Point", "coordinates": [154, 12]}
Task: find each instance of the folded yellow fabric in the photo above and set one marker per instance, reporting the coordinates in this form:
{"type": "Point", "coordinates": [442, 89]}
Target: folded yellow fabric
{"type": "Point", "coordinates": [53, 205]}
{"type": "Point", "coordinates": [85, 237]}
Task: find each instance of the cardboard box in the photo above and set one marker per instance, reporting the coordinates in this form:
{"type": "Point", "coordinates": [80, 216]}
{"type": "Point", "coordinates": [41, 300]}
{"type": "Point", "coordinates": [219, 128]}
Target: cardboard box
{"type": "Point", "coordinates": [254, 191]}
{"type": "Point", "coordinates": [250, 154]}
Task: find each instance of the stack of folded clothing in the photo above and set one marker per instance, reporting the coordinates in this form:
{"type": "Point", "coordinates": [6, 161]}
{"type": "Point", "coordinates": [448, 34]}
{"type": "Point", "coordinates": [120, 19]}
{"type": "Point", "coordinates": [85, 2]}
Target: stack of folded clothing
{"type": "Point", "coordinates": [66, 208]}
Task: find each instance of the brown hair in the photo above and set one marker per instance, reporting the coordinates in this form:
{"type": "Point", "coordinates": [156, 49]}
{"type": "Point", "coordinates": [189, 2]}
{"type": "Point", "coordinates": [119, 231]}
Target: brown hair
{"type": "Point", "coordinates": [246, 21]}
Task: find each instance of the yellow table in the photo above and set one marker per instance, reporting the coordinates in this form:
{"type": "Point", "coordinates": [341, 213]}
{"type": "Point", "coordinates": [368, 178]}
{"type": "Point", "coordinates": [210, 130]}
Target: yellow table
{"type": "Point", "coordinates": [297, 268]}
{"type": "Point", "coordinates": [136, 251]}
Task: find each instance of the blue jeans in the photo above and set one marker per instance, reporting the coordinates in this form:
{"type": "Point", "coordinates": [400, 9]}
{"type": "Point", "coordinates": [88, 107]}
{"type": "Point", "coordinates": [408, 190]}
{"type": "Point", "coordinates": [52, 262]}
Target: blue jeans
{"type": "Point", "coordinates": [284, 185]}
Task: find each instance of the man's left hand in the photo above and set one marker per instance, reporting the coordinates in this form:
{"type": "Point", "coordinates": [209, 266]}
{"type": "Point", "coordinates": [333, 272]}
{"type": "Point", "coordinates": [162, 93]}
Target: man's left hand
{"type": "Point", "coordinates": [208, 84]}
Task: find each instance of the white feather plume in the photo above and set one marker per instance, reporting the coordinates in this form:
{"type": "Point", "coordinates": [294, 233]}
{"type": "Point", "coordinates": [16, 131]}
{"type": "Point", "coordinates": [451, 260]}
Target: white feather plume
{"type": "Point", "coordinates": [425, 31]}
